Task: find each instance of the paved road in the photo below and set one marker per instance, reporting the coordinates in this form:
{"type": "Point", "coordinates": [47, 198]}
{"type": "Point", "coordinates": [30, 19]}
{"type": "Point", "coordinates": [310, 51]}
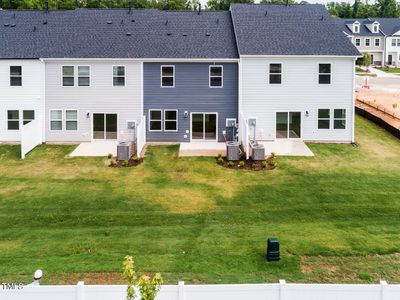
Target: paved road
{"type": "Point", "coordinates": [380, 84]}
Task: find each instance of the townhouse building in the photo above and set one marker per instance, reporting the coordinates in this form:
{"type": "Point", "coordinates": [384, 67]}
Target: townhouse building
{"type": "Point", "coordinates": [88, 74]}
{"type": "Point", "coordinates": [378, 36]}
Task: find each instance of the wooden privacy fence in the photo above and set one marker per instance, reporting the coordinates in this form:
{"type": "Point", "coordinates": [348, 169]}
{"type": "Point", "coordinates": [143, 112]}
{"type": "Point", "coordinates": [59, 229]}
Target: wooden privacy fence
{"type": "Point", "coordinates": [279, 291]}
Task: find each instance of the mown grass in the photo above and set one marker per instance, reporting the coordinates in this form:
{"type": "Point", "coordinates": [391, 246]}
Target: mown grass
{"type": "Point", "coordinates": [336, 215]}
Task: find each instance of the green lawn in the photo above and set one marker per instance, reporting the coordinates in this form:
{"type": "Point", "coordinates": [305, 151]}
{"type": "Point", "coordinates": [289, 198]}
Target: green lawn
{"type": "Point", "coordinates": [390, 69]}
{"type": "Point", "coordinates": [337, 216]}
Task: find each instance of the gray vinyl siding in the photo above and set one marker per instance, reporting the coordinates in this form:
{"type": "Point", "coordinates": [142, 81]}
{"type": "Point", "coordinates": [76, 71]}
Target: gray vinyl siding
{"type": "Point", "coordinates": [192, 94]}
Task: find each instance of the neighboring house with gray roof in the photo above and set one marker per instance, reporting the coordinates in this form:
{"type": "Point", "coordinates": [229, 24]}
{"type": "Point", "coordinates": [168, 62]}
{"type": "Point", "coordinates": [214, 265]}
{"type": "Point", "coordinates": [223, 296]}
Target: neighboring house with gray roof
{"type": "Point", "coordinates": [88, 73]}
{"type": "Point", "coordinates": [378, 36]}
{"type": "Point", "coordinates": [296, 73]}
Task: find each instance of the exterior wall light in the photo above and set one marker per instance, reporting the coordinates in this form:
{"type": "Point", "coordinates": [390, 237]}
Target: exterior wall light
{"type": "Point", "coordinates": [186, 114]}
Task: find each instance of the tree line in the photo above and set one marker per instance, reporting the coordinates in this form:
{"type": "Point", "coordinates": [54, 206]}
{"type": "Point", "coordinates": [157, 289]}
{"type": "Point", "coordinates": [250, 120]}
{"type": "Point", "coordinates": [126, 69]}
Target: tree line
{"type": "Point", "coordinates": [360, 9]}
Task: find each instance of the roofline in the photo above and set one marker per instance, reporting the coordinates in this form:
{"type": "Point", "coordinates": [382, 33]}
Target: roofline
{"type": "Point", "coordinates": [147, 59]}
{"type": "Point", "coordinates": [301, 56]}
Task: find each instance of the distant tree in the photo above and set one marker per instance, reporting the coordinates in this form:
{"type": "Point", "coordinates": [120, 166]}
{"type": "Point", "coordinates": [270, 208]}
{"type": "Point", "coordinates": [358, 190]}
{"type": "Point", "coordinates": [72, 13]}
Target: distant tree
{"type": "Point", "coordinates": [172, 4]}
{"type": "Point", "coordinates": [340, 10]}
{"type": "Point", "coordinates": [278, 1]}
{"type": "Point", "coordinates": [366, 60]}
{"type": "Point", "coordinates": [193, 4]}
{"type": "Point", "coordinates": [224, 4]}
{"type": "Point", "coordinates": [388, 8]}
{"type": "Point", "coordinates": [355, 8]}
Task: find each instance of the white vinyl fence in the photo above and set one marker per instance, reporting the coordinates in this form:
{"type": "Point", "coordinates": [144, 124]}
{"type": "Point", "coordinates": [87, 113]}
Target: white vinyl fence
{"type": "Point", "coordinates": [141, 136]}
{"type": "Point", "coordinates": [31, 136]}
{"type": "Point", "coordinates": [280, 291]}
{"type": "Point", "coordinates": [244, 134]}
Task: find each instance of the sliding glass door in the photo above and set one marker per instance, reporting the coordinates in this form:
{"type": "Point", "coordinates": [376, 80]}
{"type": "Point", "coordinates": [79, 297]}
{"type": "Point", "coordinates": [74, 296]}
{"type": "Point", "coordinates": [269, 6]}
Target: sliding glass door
{"type": "Point", "coordinates": [288, 125]}
{"type": "Point", "coordinates": [105, 126]}
{"type": "Point", "coordinates": [204, 126]}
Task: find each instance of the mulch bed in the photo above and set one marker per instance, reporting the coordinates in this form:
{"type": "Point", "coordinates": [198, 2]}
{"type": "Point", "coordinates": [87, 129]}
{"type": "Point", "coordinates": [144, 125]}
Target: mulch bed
{"type": "Point", "coordinates": [120, 163]}
{"type": "Point", "coordinates": [248, 164]}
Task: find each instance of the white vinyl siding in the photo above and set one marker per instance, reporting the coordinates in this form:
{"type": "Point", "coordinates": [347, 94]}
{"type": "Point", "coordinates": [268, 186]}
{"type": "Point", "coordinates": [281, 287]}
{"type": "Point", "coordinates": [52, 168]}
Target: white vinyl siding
{"type": "Point", "coordinates": [301, 93]}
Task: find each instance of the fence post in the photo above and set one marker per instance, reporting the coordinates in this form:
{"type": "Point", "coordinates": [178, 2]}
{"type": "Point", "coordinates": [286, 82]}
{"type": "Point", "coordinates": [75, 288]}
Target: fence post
{"type": "Point", "coordinates": [384, 288]}
{"type": "Point", "coordinates": [181, 290]}
{"type": "Point", "coordinates": [80, 293]}
{"type": "Point", "coordinates": [282, 289]}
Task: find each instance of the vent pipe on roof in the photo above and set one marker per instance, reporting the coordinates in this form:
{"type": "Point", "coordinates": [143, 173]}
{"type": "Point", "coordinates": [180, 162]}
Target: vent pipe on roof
{"type": "Point", "coordinates": [217, 21]}
{"type": "Point", "coordinates": [266, 12]}
{"type": "Point", "coordinates": [34, 28]}
{"type": "Point", "coordinates": [46, 6]}
{"type": "Point", "coordinates": [129, 10]}
{"type": "Point", "coordinates": [166, 22]}
{"type": "Point", "coordinates": [322, 17]}
{"type": "Point", "coordinates": [287, 2]}
{"type": "Point", "coordinates": [199, 11]}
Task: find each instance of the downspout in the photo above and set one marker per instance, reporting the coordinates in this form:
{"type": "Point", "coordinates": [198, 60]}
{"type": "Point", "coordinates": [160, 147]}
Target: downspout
{"type": "Point", "coordinates": [354, 101]}
{"type": "Point", "coordinates": [43, 102]}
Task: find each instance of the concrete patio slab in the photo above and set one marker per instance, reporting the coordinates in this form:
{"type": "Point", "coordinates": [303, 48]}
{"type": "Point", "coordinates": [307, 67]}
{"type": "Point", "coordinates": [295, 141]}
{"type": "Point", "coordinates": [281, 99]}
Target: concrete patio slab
{"type": "Point", "coordinates": [202, 149]}
{"type": "Point", "coordinates": [287, 148]}
{"type": "Point", "coordinates": [95, 148]}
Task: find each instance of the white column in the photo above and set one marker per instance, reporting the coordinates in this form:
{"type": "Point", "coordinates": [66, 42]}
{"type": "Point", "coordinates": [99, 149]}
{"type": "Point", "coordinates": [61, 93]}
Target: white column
{"type": "Point", "coordinates": [282, 289]}
{"type": "Point", "coordinates": [80, 293]}
{"type": "Point", "coordinates": [181, 290]}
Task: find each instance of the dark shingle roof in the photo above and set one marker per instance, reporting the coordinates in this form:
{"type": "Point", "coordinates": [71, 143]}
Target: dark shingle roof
{"type": "Point", "coordinates": [364, 31]}
{"type": "Point", "coordinates": [388, 26]}
{"type": "Point", "coordinates": [87, 33]}
{"type": "Point", "coordinates": [288, 30]}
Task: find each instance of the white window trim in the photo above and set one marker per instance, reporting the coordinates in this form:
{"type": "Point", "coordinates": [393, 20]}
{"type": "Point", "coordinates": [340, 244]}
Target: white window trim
{"type": "Point", "coordinates": [30, 120]}
{"type": "Point", "coordinates": [329, 119]}
{"type": "Point", "coordinates": [173, 76]}
{"type": "Point", "coordinates": [338, 119]}
{"type": "Point", "coordinates": [394, 41]}
{"type": "Point", "coordinates": [77, 120]}
{"type": "Point", "coordinates": [62, 76]}
{"type": "Point", "coordinates": [191, 123]}
{"type": "Point", "coordinates": [62, 120]}
{"type": "Point", "coordinates": [15, 76]}
{"type": "Point", "coordinates": [365, 42]}
{"type": "Point", "coordinates": [379, 42]}
{"type": "Point", "coordinates": [359, 42]}
{"type": "Point", "coordinates": [375, 26]}
{"type": "Point", "coordinates": [214, 76]}
{"type": "Point", "coordinates": [331, 73]}
{"type": "Point", "coordinates": [112, 76]}
{"type": "Point", "coordinates": [13, 120]}
{"type": "Point", "coordinates": [165, 120]}
{"type": "Point", "coordinates": [269, 73]}
{"type": "Point", "coordinates": [77, 74]}
{"type": "Point", "coordinates": [103, 113]}
{"type": "Point", "coordinates": [356, 28]}
{"type": "Point", "coordinates": [153, 130]}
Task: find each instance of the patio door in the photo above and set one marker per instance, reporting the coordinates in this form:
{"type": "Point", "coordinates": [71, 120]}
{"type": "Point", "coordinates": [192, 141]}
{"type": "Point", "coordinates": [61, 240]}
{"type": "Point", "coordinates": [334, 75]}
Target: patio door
{"type": "Point", "coordinates": [390, 59]}
{"type": "Point", "coordinates": [204, 126]}
{"type": "Point", "coordinates": [105, 126]}
{"type": "Point", "coordinates": [288, 125]}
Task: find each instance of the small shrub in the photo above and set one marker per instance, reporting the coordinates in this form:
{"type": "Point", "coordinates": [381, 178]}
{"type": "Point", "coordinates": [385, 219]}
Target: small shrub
{"type": "Point", "coordinates": [219, 155]}
{"type": "Point", "coordinates": [264, 164]}
{"type": "Point", "coordinates": [254, 165]}
{"type": "Point", "coordinates": [109, 155]}
{"type": "Point", "coordinates": [220, 160]}
{"type": "Point", "coordinates": [113, 163]}
{"type": "Point", "coordinates": [231, 163]}
{"type": "Point", "coordinates": [394, 105]}
{"type": "Point", "coordinates": [136, 158]}
{"type": "Point", "coordinates": [125, 163]}
{"type": "Point", "coordinates": [241, 163]}
{"type": "Point", "coordinates": [273, 154]}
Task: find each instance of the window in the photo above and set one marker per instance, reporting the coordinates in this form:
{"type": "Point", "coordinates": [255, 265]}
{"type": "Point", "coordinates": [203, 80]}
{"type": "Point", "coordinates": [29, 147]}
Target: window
{"type": "Point", "coordinates": [71, 120]}
{"type": "Point", "coordinates": [118, 76]}
{"type": "Point", "coordinates": [275, 73]}
{"type": "Point", "coordinates": [15, 76]}
{"type": "Point", "coordinates": [216, 76]}
{"type": "Point", "coordinates": [393, 42]}
{"type": "Point", "coordinates": [68, 75]}
{"type": "Point", "coordinates": [367, 42]}
{"type": "Point", "coordinates": [398, 42]}
{"type": "Point", "coordinates": [155, 120]}
{"type": "Point", "coordinates": [167, 76]}
{"type": "Point", "coordinates": [358, 42]}
{"type": "Point", "coordinates": [28, 116]}
{"type": "Point", "coordinates": [339, 119]}
{"type": "Point", "coordinates": [375, 28]}
{"type": "Point", "coordinates": [170, 120]}
{"type": "Point", "coordinates": [356, 28]}
{"type": "Point", "coordinates": [377, 42]}
{"type": "Point", "coordinates": [55, 120]}
{"type": "Point", "coordinates": [83, 76]}
{"type": "Point", "coordinates": [13, 119]}
{"type": "Point", "coordinates": [323, 118]}
{"type": "Point", "coordinates": [324, 74]}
